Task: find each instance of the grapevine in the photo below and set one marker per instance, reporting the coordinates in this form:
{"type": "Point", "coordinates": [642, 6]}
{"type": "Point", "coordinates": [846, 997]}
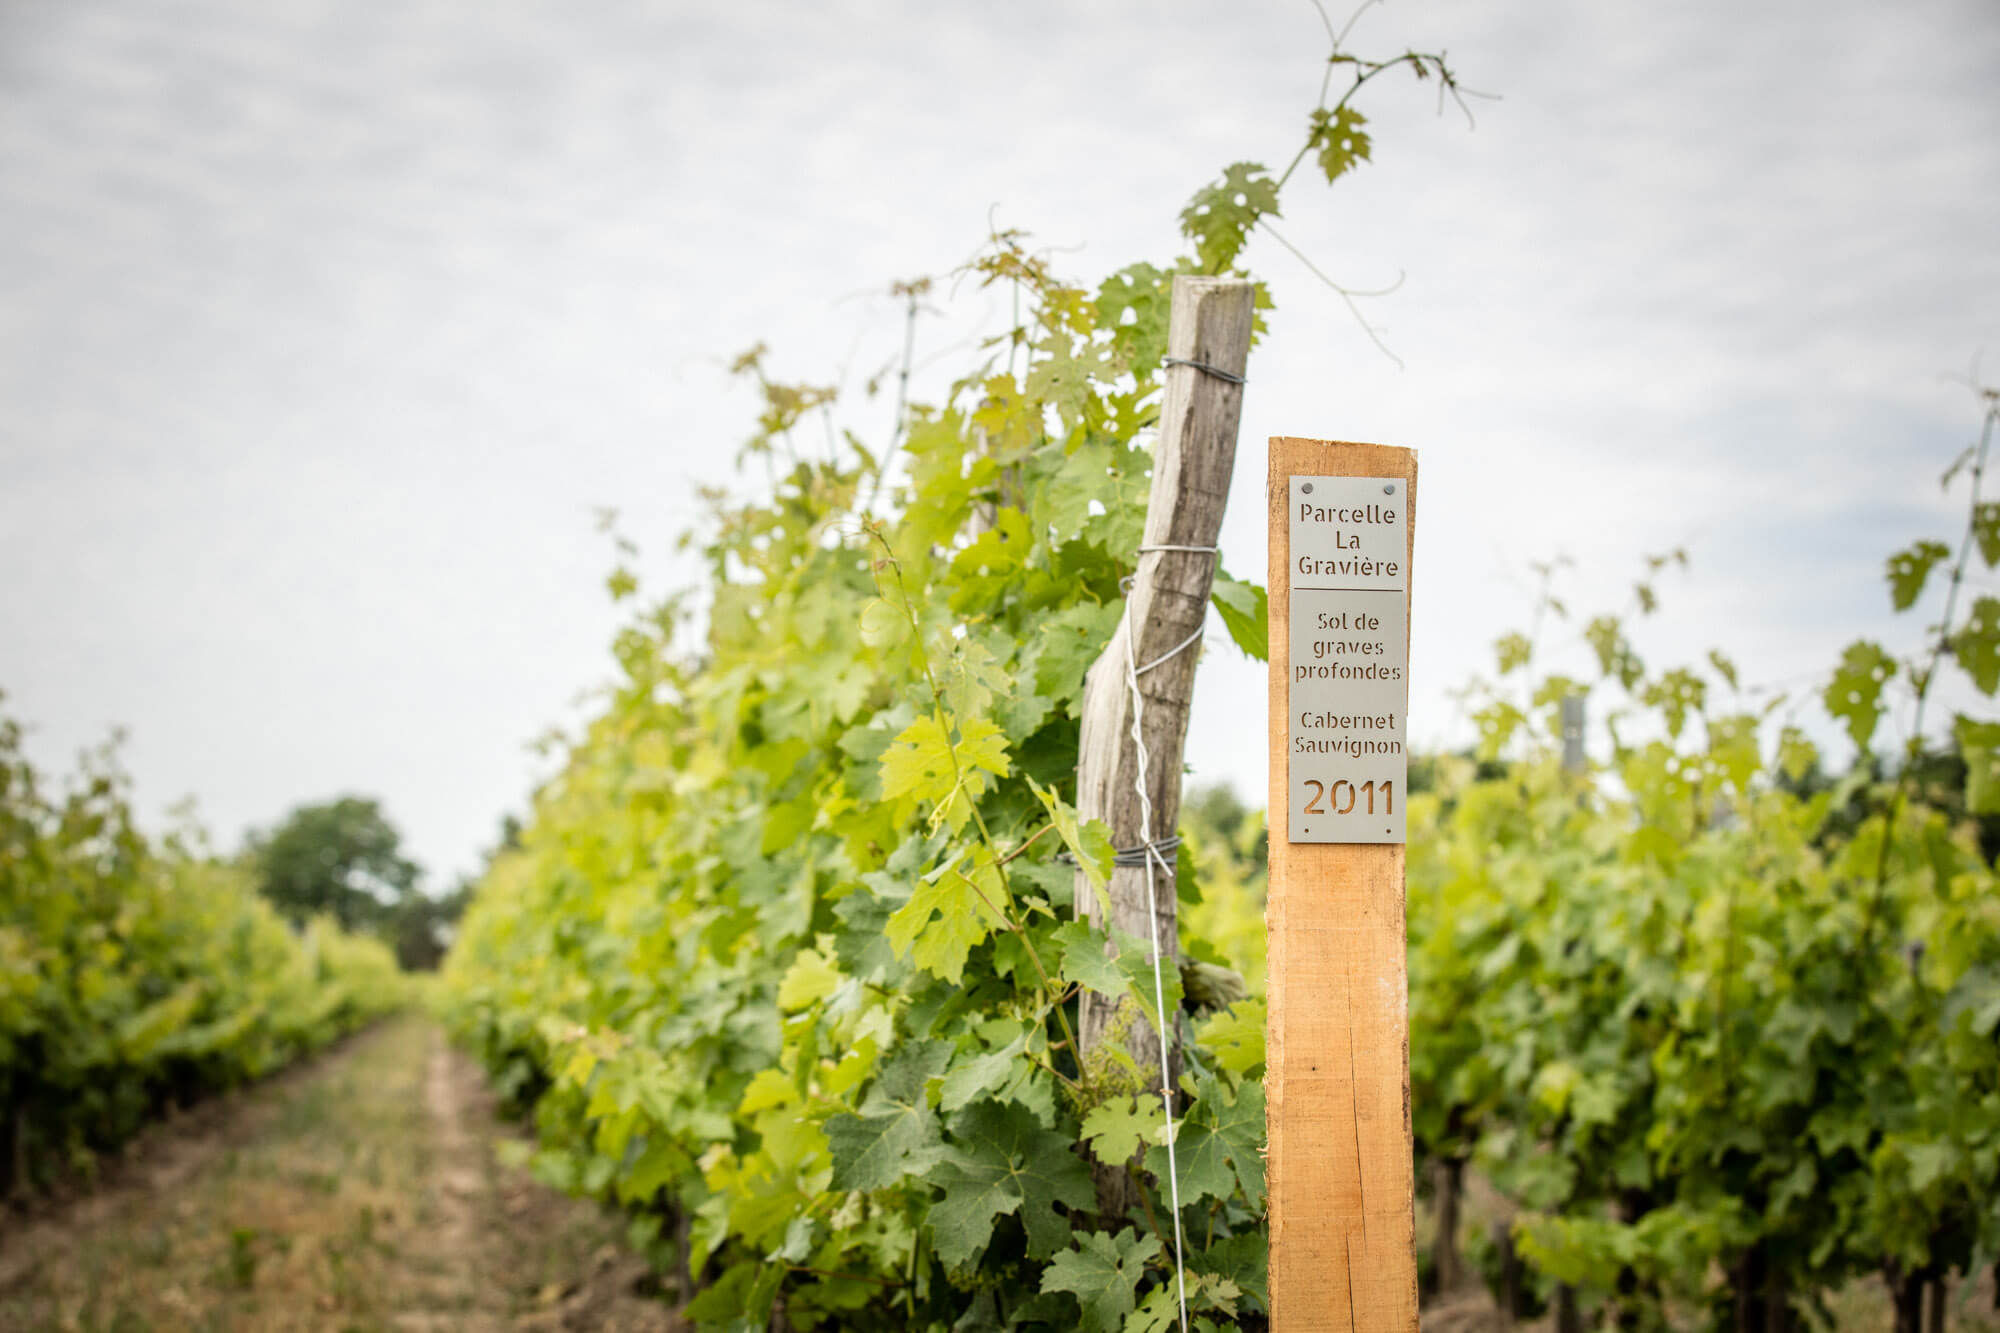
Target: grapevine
{"type": "Point", "coordinates": [789, 962]}
{"type": "Point", "coordinates": [137, 976]}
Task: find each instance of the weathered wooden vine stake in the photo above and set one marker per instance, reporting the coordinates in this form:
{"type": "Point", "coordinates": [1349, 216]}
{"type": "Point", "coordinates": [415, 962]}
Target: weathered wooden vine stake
{"type": "Point", "coordinates": [1337, 1079]}
{"type": "Point", "coordinates": [1208, 341]}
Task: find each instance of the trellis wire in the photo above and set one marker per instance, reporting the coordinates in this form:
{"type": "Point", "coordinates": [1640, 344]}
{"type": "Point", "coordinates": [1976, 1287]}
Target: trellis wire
{"type": "Point", "coordinates": [1153, 854]}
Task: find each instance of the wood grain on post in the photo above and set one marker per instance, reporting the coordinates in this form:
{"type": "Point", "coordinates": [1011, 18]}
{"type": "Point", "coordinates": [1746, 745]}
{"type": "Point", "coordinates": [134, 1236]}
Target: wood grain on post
{"type": "Point", "coordinates": [1168, 602]}
{"type": "Point", "coordinates": [1337, 1078]}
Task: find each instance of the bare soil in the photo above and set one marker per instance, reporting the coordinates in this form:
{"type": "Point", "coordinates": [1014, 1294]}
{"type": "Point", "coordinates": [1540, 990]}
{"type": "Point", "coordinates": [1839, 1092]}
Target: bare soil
{"type": "Point", "coordinates": [358, 1193]}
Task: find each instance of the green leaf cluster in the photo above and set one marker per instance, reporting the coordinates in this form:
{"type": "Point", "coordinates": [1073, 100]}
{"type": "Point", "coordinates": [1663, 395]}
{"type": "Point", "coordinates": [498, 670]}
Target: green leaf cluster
{"type": "Point", "coordinates": [1722, 1028]}
{"type": "Point", "coordinates": [136, 975]}
{"type": "Point", "coordinates": [788, 958]}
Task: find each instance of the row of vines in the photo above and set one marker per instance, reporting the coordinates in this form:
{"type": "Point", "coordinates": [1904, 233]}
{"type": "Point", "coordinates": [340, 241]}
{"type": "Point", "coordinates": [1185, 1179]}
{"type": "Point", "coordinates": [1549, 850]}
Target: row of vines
{"type": "Point", "coordinates": [1724, 1028]}
{"type": "Point", "coordinates": [138, 975]}
{"type": "Point", "coordinates": [788, 960]}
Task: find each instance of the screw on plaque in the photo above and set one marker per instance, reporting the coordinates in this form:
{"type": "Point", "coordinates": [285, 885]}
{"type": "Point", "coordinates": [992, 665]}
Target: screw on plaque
{"type": "Point", "coordinates": [1390, 489]}
{"type": "Point", "coordinates": [1306, 488]}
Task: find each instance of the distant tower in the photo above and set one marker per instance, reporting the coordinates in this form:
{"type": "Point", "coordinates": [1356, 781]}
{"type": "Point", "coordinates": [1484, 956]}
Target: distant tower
{"type": "Point", "coordinates": [1572, 729]}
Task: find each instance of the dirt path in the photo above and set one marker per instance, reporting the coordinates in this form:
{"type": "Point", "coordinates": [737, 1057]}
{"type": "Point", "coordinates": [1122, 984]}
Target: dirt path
{"type": "Point", "coordinates": [361, 1193]}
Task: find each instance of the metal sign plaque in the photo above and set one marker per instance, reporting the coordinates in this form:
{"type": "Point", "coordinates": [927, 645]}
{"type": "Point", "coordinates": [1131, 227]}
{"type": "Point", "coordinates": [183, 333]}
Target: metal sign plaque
{"type": "Point", "coordinates": [1349, 686]}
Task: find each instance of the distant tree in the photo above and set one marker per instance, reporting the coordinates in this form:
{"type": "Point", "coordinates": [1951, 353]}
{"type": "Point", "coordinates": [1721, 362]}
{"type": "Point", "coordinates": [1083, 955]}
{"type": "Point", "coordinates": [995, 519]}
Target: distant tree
{"type": "Point", "coordinates": [511, 829]}
{"type": "Point", "coordinates": [421, 925]}
{"type": "Point", "coordinates": [343, 858]}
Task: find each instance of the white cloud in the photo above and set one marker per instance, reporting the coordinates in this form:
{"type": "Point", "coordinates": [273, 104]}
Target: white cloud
{"type": "Point", "coordinates": [325, 328]}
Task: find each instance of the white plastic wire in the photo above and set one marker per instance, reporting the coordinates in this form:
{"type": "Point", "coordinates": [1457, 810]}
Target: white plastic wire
{"type": "Point", "coordinates": [1158, 862]}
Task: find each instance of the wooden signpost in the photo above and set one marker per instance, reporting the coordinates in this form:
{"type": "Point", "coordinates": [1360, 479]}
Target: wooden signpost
{"type": "Point", "coordinates": [1342, 1193]}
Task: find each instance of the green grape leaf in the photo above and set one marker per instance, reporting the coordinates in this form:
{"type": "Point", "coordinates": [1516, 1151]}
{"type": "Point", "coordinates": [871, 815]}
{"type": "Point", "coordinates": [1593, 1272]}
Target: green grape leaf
{"type": "Point", "coordinates": [1002, 1161]}
{"type": "Point", "coordinates": [1724, 668]}
{"type": "Point", "coordinates": [843, 691]}
{"type": "Point", "coordinates": [1235, 1036]}
{"type": "Point", "coordinates": [1087, 961]}
{"type": "Point", "coordinates": [1220, 1149]}
{"type": "Point", "coordinates": [1513, 651]}
{"type": "Point", "coordinates": [1554, 689]}
{"type": "Point", "coordinates": [1135, 960]}
{"type": "Point", "coordinates": [1975, 994]}
{"type": "Point", "coordinates": [997, 554]}
{"type": "Point", "coordinates": [1604, 634]}
{"type": "Point", "coordinates": [1606, 637]}
{"type": "Point", "coordinates": [1986, 530]}
{"type": "Point", "coordinates": [1022, 713]}
{"type": "Point", "coordinates": [1979, 746]}
{"type": "Point", "coordinates": [975, 1076]}
{"type": "Point", "coordinates": [1104, 1272]}
{"type": "Point", "coordinates": [1187, 881]}
{"type": "Point", "coordinates": [1133, 304]}
{"type": "Point", "coordinates": [810, 979]}
{"type": "Point", "coordinates": [896, 1133]}
{"type": "Point", "coordinates": [1089, 844]}
{"type": "Point", "coordinates": [883, 625]}
{"type": "Point", "coordinates": [656, 1167]}
{"type": "Point", "coordinates": [973, 675]}
{"type": "Point", "coordinates": [1094, 493]}
{"type": "Point", "coordinates": [919, 762]}
{"type": "Point", "coordinates": [1120, 1127]}
{"type": "Point", "coordinates": [1242, 1259]}
{"type": "Point", "coordinates": [1976, 645]}
{"type": "Point", "coordinates": [1929, 1162]}
{"type": "Point", "coordinates": [739, 1299]}
{"type": "Point", "coordinates": [1796, 754]}
{"type": "Point", "coordinates": [1245, 609]}
{"type": "Point", "coordinates": [1341, 142]}
{"type": "Point", "coordinates": [1220, 216]}
{"type": "Point", "coordinates": [798, 1243]}
{"type": "Point", "coordinates": [1070, 641]}
{"type": "Point", "coordinates": [1063, 371]}
{"type": "Point", "coordinates": [1909, 570]}
{"type": "Point", "coordinates": [1212, 1291]}
{"type": "Point", "coordinates": [1676, 694]}
{"type": "Point", "coordinates": [968, 908]}
{"type": "Point", "coordinates": [924, 763]}
{"type": "Point", "coordinates": [1854, 695]}
{"type": "Point", "coordinates": [1160, 1311]}
{"type": "Point", "coordinates": [1497, 723]}
{"type": "Point", "coordinates": [859, 945]}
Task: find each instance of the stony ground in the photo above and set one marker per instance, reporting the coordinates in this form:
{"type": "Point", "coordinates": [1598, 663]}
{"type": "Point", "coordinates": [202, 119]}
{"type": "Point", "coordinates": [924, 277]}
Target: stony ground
{"type": "Point", "coordinates": [360, 1192]}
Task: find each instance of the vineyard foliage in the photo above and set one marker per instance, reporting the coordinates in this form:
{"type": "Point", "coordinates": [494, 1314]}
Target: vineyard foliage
{"type": "Point", "coordinates": [136, 975]}
{"type": "Point", "coordinates": [1726, 1031]}
{"type": "Point", "coordinates": [788, 958]}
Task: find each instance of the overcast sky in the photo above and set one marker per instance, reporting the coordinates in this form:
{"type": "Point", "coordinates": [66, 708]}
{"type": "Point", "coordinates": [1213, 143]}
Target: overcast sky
{"type": "Point", "coordinates": [325, 327]}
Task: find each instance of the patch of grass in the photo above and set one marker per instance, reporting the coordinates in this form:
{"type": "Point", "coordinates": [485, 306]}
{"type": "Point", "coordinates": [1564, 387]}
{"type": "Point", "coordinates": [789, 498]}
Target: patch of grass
{"type": "Point", "coordinates": [240, 1269]}
{"type": "Point", "coordinates": [151, 1248]}
{"type": "Point", "coordinates": [343, 1197]}
{"type": "Point", "coordinates": [325, 1182]}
